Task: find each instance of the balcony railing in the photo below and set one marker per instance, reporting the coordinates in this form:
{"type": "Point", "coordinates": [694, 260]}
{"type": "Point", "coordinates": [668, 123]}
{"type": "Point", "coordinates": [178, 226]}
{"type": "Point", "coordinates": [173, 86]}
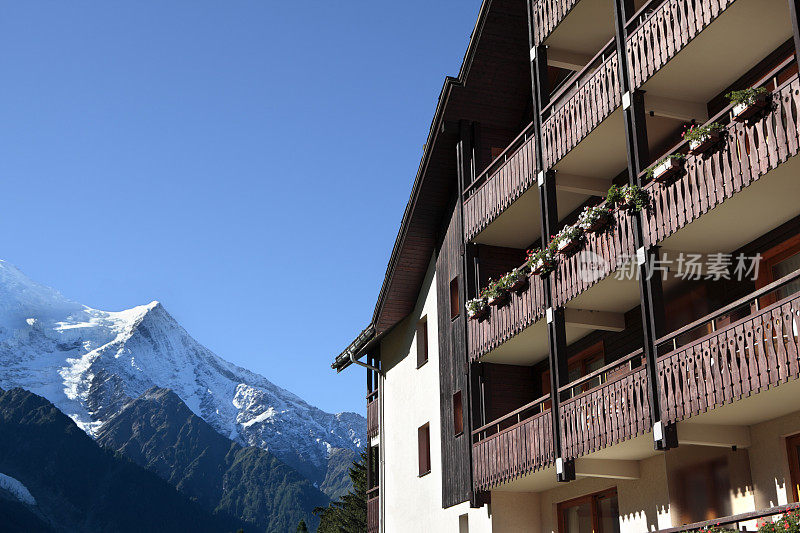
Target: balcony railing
{"type": "Point", "coordinates": [547, 14]}
{"type": "Point", "coordinates": [373, 511]}
{"type": "Point", "coordinates": [656, 35]}
{"type": "Point", "coordinates": [580, 106]}
{"type": "Point", "coordinates": [497, 187]}
{"type": "Point", "coordinates": [517, 444]}
{"type": "Point", "coordinates": [740, 522]}
{"type": "Point", "coordinates": [748, 151]}
{"type": "Point", "coordinates": [373, 422]}
{"type": "Point", "coordinates": [603, 253]}
{"type": "Point", "coordinates": [508, 320]}
{"type": "Point", "coordinates": [607, 414]}
{"type": "Point", "coordinates": [749, 355]}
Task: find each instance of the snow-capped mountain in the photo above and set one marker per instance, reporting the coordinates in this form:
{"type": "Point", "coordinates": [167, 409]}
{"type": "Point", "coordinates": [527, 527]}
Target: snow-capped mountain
{"type": "Point", "coordinates": [89, 362]}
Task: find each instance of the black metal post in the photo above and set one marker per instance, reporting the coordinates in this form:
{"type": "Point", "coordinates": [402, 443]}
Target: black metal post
{"type": "Point", "coordinates": [650, 284]}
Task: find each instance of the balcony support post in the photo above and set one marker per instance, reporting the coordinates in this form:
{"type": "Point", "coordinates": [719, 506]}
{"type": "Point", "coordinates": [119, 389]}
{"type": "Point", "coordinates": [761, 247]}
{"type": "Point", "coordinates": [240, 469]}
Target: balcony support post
{"type": "Point", "coordinates": [794, 10]}
{"type": "Point", "coordinates": [466, 152]}
{"type": "Point", "coordinates": [650, 284]}
{"type": "Point", "coordinates": [556, 323]}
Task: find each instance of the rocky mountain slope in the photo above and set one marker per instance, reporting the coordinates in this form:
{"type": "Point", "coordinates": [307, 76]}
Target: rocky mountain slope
{"type": "Point", "coordinates": [56, 478]}
{"type": "Point", "coordinates": [158, 432]}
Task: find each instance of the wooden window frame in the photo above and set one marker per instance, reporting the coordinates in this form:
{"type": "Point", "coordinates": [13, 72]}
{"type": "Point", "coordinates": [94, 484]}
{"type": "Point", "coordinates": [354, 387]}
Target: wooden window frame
{"type": "Point", "coordinates": [592, 499]}
{"type": "Point", "coordinates": [582, 358]}
{"type": "Point", "coordinates": [769, 259]}
{"type": "Point", "coordinates": [455, 298]}
{"type": "Point", "coordinates": [458, 414]}
{"type": "Point", "coordinates": [792, 442]}
{"type": "Point", "coordinates": [424, 449]}
{"type": "Point", "coordinates": [422, 342]}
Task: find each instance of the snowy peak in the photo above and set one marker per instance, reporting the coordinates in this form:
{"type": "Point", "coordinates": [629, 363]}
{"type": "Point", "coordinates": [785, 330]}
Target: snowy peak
{"type": "Point", "coordinates": [89, 363]}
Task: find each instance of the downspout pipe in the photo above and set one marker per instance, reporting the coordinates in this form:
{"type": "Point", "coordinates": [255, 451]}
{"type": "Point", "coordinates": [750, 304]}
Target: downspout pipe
{"type": "Point", "coordinates": [365, 365]}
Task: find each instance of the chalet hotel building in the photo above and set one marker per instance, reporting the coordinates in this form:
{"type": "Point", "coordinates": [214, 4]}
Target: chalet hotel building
{"type": "Point", "coordinates": [589, 321]}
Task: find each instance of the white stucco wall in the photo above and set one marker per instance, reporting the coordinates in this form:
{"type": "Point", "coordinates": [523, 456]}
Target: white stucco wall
{"type": "Point", "coordinates": [411, 399]}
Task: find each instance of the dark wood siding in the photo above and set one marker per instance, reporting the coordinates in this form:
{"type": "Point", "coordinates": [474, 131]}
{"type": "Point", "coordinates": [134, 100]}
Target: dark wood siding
{"type": "Point", "coordinates": [452, 369]}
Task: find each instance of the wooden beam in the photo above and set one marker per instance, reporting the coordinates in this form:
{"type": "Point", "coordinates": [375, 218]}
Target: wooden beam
{"type": "Point", "coordinates": [660, 106]}
{"type": "Point", "coordinates": [566, 59]}
{"type": "Point", "coordinates": [607, 468]}
{"type": "Point", "coordinates": [714, 435]}
{"type": "Point", "coordinates": [600, 320]}
{"type": "Point", "coordinates": [582, 184]}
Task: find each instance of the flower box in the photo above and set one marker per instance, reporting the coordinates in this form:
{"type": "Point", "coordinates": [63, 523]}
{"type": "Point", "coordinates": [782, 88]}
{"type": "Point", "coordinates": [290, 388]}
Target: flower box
{"type": "Point", "coordinates": [702, 145]}
{"type": "Point", "coordinates": [667, 169]}
{"type": "Point", "coordinates": [596, 221]}
{"type": "Point", "coordinates": [745, 110]}
{"type": "Point", "coordinates": [477, 310]}
{"type": "Point", "coordinates": [568, 246]}
{"type": "Point", "coordinates": [540, 267]}
{"type": "Point", "coordinates": [519, 285]}
{"type": "Point", "coordinates": [499, 300]}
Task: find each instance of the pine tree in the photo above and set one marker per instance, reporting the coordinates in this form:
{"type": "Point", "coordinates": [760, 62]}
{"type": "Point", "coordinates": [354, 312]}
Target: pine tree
{"type": "Point", "coordinates": [348, 515]}
{"type": "Point", "coordinates": [302, 527]}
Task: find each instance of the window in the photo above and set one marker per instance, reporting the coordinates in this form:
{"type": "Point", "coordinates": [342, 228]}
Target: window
{"type": "Point", "coordinates": [458, 414]}
{"type": "Point", "coordinates": [777, 262]}
{"type": "Point", "coordinates": [579, 365]}
{"type": "Point", "coordinates": [374, 474]}
{"type": "Point", "coordinates": [424, 443]}
{"type": "Point", "coordinates": [704, 491]}
{"type": "Point", "coordinates": [793, 447]}
{"type": "Point", "coordinates": [595, 513]}
{"type": "Point", "coordinates": [422, 342]}
{"type": "Point", "coordinates": [455, 300]}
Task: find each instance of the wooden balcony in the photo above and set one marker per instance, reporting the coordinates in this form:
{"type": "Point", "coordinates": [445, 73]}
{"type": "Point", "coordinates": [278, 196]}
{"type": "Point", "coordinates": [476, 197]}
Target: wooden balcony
{"type": "Point", "coordinates": [753, 354]}
{"type": "Point", "coordinates": [615, 411]}
{"type": "Point", "coordinates": [505, 180]}
{"type": "Point", "coordinates": [580, 106]}
{"type": "Point", "coordinates": [657, 35]}
{"type": "Point", "coordinates": [748, 151]}
{"type": "Point", "coordinates": [547, 14]}
{"type": "Point", "coordinates": [373, 417]}
{"type": "Point", "coordinates": [517, 444]}
{"type": "Point", "coordinates": [373, 511]}
{"type": "Point", "coordinates": [508, 320]}
{"type": "Point", "coordinates": [607, 250]}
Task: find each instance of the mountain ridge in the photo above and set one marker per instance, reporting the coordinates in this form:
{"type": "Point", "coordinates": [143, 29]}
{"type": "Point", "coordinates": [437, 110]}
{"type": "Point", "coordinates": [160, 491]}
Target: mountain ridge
{"type": "Point", "coordinates": [89, 363]}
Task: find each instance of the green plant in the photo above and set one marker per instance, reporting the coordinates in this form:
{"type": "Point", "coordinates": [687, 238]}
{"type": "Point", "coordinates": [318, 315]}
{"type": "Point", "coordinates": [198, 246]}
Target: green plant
{"type": "Point", "coordinates": [569, 233]}
{"type": "Point", "coordinates": [634, 197]}
{"type": "Point", "coordinates": [788, 523]}
{"type": "Point", "coordinates": [746, 96]}
{"type": "Point", "coordinates": [495, 289]}
{"type": "Point", "coordinates": [701, 133]}
{"type": "Point", "coordinates": [476, 306]}
{"type": "Point", "coordinates": [614, 196]}
{"type": "Point", "coordinates": [542, 260]}
{"type": "Point", "coordinates": [671, 157]}
{"type": "Point", "coordinates": [516, 275]}
{"type": "Point", "coordinates": [590, 217]}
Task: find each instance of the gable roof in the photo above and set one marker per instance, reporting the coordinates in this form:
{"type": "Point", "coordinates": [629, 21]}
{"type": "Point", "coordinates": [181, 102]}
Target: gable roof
{"type": "Point", "coordinates": [493, 88]}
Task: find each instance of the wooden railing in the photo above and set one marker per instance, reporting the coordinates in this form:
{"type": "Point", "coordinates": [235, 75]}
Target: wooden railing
{"type": "Point", "coordinates": [602, 254]}
{"type": "Point", "coordinates": [508, 320]}
{"type": "Point", "coordinates": [741, 522]}
{"type": "Point", "coordinates": [373, 418]}
{"type": "Point", "coordinates": [748, 151]}
{"type": "Point", "coordinates": [516, 444]}
{"type": "Point", "coordinates": [373, 511]}
{"type": "Point", "coordinates": [750, 355]}
{"type": "Point", "coordinates": [547, 14]}
{"type": "Point", "coordinates": [581, 106]}
{"type": "Point", "coordinates": [607, 414]}
{"type": "Point", "coordinates": [497, 187]}
{"type": "Point", "coordinates": [655, 37]}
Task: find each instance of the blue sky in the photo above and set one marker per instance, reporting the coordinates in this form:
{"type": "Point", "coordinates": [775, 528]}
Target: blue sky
{"type": "Point", "coordinates": [246, 163]}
